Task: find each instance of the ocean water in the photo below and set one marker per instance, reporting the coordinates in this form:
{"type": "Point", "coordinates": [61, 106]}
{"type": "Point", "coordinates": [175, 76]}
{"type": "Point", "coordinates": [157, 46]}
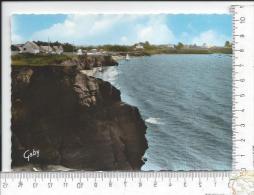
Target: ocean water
{"type": "Point", "coordinates": [185, 101]}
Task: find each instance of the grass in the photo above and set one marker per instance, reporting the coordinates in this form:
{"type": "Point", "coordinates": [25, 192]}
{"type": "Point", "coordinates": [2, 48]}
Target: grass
{"type": "Point", "coordinates": [224, 50]}
{"type": "Point", "coordinates": [54, 59]}
{"type": "Point", "coordinates": [190, 51]}
{"type": "Point", "coordinates": [38, 59]}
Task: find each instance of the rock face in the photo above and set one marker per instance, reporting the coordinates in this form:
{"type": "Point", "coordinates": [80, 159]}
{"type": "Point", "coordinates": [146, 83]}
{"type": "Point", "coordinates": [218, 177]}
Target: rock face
{"type": "Point", "coordinates": [74, 121]}
{"type": "Point", "coordinates": [85, 62]}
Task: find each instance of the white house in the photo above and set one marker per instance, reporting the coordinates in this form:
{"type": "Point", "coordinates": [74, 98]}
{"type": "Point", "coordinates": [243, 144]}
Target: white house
{"type": "Point", "coordinates": [170, 45]}
{"type": "Point", "coordinates": [139, 46]}
{"type": "Point", "coordinates": [46, 49]}
{"type": "Point", "coordinates": [93, 52]}
{"type": "Point", "coordinates": [206, 46]}
{"type": "Point", "coordinates": [79, 52]}
{"type": "Point", "coordinates": [30, 47]}
{"type": "Point", "coordinates": [58, 50]}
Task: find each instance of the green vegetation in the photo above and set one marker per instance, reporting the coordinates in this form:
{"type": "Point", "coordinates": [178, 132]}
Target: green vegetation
{"type": "Point", "coordinates": [179, 46]}
{"type": "Point", "coordinates": [228, 44]}
{"type": "Point", "coordinates": [14, 48]}
{"type": "Point", "coordinates": [38, 59]}
{"type": "Point", "coordinates": [115, 48]}
{"type": "Point", "coordinates": [222, 50]}
{"type": "Point", "coordinates": [146, 50]}
{"type": "Point", "coordinates": [163, 50]}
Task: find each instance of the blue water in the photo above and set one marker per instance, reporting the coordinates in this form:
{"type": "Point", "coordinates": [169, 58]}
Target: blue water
{"type": "Point", "coordinates": [186, 103]}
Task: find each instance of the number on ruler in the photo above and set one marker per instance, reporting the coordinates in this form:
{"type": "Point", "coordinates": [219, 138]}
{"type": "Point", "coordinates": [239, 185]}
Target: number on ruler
{"type": "Point", "coordinates": [140, 184]}
{"type": "Point", "coordinates": [35, 185]}
{"type": "Point", "coordinates": [110, 184]}
{"type": "Point", "coordinates": [215, 183]}
{"type": "Point", "coordinates": [65, 184]}
{"type": "Point", "coordinates": [170, 184]}
{"type": "Point", "coordinates": [5, 184]}
{"type": "Point", "coordinates": [155, 184]}
{"type": "Point", "coordinates": [20, 184]}
{"type": "Point", "coordinates": [242, 20]}
{"type": "Point", "coordinates": [80, 185]}
{"type": "Point", "coordinates": [242, 125]}
{"type": "Point", "coordinates": [200, 183]}
{"type": "Point", "coordinates": [50, 185]}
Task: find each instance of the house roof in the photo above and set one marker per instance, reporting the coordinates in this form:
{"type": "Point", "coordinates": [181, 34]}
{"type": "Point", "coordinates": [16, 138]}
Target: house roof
{"type": "Point", "coordinates": [45, 47]}
{"type": "Point", "coordinates": [57, 48]}
{"type": "Point", "coordinates": [31, 44]}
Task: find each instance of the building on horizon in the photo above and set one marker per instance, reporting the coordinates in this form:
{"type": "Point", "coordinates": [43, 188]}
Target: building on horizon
{"type": "Point", "coordinates": [29, 47]}
{"type": "Point", "coordinates": [33, 48]}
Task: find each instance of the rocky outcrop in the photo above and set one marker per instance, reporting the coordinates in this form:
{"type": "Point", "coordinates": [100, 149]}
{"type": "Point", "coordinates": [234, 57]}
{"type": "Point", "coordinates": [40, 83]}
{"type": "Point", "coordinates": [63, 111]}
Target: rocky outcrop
{"type": "Point", "coordinates": [74, 120]}
{"type": "Point", "coordinates": [85, 62]}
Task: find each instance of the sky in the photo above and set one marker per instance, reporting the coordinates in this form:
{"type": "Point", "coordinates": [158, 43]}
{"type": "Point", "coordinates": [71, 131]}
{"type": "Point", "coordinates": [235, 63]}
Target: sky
{"type": "Point", "coordinates": [99, 29]}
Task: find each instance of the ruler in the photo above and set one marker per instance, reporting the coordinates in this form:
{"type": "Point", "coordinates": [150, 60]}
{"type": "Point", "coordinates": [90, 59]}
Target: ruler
{"type": "Point", "coordinates": [117, 183]}
{"type": "Point", "coordinates": [243, 87]}
{"type": "Point", "coordinates": [181, 183]}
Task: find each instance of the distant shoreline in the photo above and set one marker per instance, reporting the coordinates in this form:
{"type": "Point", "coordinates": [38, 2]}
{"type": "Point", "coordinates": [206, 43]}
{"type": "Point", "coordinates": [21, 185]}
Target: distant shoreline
{"type": "Point", "coordinates": [93, 61]}
{"type": "Point", "coordinates": [121, 57]}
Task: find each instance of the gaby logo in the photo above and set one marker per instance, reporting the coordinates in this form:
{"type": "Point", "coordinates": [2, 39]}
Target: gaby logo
{"type": "Point", "coordinates": [31, 153]}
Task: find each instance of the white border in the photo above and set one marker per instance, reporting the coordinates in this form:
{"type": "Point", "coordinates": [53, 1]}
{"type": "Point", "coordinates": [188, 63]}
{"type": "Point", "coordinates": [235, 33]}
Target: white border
{"type": "Point", "coordinates": [9, 8]}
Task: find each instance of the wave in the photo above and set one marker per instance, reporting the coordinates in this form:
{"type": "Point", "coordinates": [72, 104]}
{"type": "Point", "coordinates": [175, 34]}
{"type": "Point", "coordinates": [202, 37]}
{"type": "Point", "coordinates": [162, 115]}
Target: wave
{"type": "Point", "coordinates": [156, 121]}
{"type": "Point", "coordinates": [109, 74]}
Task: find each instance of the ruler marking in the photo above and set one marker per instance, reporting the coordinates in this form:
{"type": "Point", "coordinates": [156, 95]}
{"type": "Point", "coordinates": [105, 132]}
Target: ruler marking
{"type": "Point", "coordinates": [241, 39]}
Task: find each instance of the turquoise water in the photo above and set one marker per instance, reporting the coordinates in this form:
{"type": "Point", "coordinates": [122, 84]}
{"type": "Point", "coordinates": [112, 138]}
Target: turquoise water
{"type": "Point", "coordinates": [186, 103]}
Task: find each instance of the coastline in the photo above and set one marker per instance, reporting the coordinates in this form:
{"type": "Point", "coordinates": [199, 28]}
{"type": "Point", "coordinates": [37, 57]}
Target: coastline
{"type": "Point", "coordinates": [92, 72]}
{"type": "Point", "coordinates": [142, 101]}
{"type": "Point", "coordinates": [118, 57]}
{"type": "Point", "coordinates": [93, 129]}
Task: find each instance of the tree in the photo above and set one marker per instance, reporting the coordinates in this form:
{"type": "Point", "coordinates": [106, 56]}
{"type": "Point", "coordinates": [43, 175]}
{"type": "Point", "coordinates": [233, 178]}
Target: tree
{"type": "Point", "coordinates": [14, 48]}
{"type": "Point", "coordinates": [179, 45]}
{"type": "Point", "coordinates": [227, 44]}
{"type": "Point", "coordinates": [147, 43]}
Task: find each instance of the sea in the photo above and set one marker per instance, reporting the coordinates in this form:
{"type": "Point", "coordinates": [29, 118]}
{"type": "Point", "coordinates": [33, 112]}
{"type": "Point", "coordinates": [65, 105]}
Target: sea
{"type": "Point", "coordinates": [186, 102]}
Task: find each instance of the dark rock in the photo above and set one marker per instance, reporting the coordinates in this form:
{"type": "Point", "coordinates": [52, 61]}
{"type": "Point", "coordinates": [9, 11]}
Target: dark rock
{"type": "Point", "coordinates": [76, 121]}
{"type": "Point", "coordinates": [85, 62]}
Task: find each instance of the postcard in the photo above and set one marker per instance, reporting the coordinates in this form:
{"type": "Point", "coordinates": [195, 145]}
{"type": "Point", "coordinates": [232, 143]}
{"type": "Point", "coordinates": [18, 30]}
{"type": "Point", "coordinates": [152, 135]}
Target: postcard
{"type": "Point", "coordinates": [135, 92]}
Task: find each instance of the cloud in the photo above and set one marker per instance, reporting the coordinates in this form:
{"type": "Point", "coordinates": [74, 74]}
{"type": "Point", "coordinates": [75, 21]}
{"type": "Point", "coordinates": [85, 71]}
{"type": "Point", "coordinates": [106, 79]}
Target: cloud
{"type": "Point", "coordinates": [156, 31]}
{"type": "Point", "coordinates": [210, 37]}
{"type": "Point", "coordinates": [95, 29]}
{"type": "Point", "coordinates": [102, 29]}
{"type": "Point", "coordinates": [124, 39]}
{"type": "Point", "coordinates": [16, 39]}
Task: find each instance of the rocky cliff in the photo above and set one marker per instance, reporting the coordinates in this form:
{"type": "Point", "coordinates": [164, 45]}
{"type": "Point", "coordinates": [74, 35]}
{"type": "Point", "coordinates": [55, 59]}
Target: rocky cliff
{"type": "Point", "coordinates": [74, 120]}
{"type": "Point", "coordinates": [85, 62]}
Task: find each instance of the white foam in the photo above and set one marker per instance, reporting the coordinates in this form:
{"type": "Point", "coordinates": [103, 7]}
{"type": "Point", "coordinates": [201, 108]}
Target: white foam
{"type": "Point", "coordinates": [148, 166]}
{"type": "Point", "coordinates": [109, 74]}
{"type": "Point", "coordinates": [152, 120]}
